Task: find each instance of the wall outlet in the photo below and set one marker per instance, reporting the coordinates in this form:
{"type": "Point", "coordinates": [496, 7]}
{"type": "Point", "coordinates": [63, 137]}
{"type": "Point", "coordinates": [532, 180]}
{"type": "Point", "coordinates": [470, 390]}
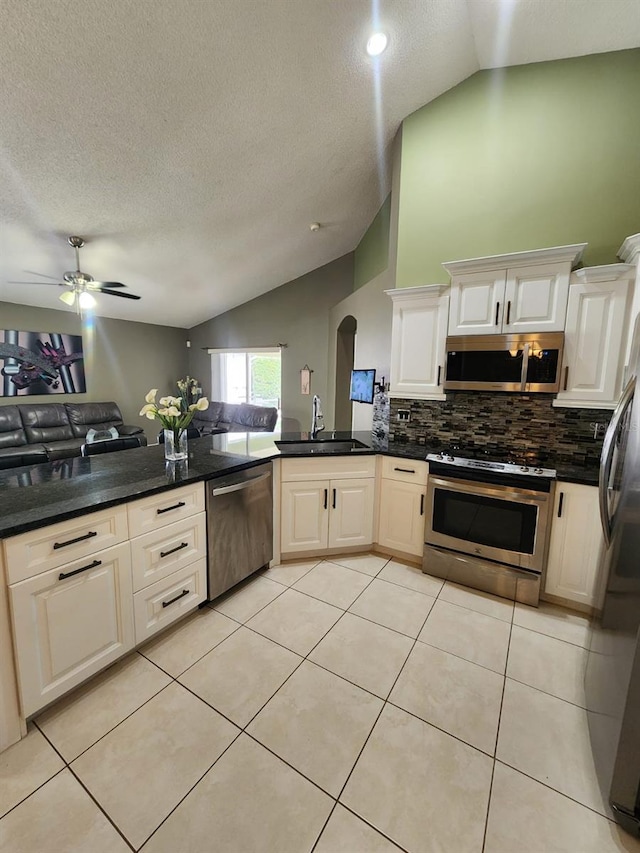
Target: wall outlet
{"type": "Point", "coordinates": [404, 415]}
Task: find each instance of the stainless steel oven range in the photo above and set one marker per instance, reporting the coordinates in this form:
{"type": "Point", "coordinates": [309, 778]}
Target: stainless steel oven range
{"type": "Point", "coordinates": [487, 524]}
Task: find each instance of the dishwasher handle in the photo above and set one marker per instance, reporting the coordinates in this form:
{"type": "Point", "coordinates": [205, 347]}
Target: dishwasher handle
{"type": "Point", "coordinates": [237, 487]}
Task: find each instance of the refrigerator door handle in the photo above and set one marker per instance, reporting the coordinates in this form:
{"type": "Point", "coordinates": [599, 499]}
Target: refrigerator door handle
{"type": "Point", "coordinates": [606, 458]}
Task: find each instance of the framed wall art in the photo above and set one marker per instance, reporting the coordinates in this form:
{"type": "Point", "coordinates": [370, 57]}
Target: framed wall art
{"type": "Point", "coordinates": [40, 363]}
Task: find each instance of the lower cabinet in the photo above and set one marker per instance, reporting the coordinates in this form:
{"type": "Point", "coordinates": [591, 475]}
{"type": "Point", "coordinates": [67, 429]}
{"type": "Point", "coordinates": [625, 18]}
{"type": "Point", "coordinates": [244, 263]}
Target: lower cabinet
{"type": "Point", "coordinates": [76, 608]}
{"type": "Point", "coordinates": [401, 525]}
{"type": "Point", "coordinates": [403, 492]}
{"type": "Point", "coordinates": [319, 514]}
{"type": "Point", "coordinates": [576, 545]}
{"type": "Point", "coordinates": [161, 603]}
{"type": "Point", "coordinates": [71, 622]}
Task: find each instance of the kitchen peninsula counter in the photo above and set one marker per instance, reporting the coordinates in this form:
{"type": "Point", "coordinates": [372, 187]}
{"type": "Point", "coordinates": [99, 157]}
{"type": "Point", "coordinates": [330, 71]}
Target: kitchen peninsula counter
{"type": "Point", "coordinates": [37, 495]}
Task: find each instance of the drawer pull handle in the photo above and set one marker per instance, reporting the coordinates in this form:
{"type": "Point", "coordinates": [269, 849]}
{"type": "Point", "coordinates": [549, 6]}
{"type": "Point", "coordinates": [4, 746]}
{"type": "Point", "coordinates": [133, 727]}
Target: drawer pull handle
{"type": "Point", "coordinates": [406, 470]}
{"type": "Point", "coordinates": [439, 372]}
{"type": "Point", "coordinates": [64, 575]}
{"type": "Point", "coordinates": [169, 508]}
{"type": "Point", "coordinates": [88, 535]}
{"type": "Point", "coordinates": [333, 502]}
{"type": "Point", "coordinates": [173, 550]}
{"type": "Point", "coordinates": [326, 497]}
{"type": "Point", "coordinates": [566, 377]}
{"type": "Point", "coordinates": [497, 313]}
{"type": "Point", "coordinates": [421, 504]}
{"type": "Point", "coordinates": [508, 312]}
{"type": "Point", "coordinates": [177, 598]}
{"type": "Point", "coordinates": [560, 502]}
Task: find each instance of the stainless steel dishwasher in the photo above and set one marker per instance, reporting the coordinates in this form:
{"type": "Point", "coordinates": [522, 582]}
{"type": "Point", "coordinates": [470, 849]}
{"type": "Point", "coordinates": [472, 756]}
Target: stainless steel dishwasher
{"type": "Point", "coordinates": [239, 526]}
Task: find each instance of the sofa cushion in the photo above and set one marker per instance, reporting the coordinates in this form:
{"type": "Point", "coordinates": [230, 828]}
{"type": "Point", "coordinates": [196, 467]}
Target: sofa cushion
{"type": "Point", "coordinates": [64, 449]}
{"type": "Point", "coordinates": [45, 422]}
{"type": "Point", "coordinates": [28, 454]}
{"type": "Point", "coordinates": [98, 416]}
{"type": "Point", "coordinates": [11, 429]}
{"type": "Point", "coordinates": [262, 418]}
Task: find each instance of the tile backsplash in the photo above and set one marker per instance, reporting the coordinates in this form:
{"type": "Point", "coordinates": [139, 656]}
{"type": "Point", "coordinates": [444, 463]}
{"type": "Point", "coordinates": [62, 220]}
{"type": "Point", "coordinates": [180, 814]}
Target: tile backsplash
{"type": "Point", "coordinates": [503, 421]}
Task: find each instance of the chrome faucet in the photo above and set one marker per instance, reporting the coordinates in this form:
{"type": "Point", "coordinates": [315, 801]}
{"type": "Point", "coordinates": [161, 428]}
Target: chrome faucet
{"type": "Point", "coordinates": [317, 418]}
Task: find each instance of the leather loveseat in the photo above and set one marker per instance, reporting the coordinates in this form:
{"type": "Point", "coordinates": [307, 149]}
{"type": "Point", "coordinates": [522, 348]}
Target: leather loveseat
{"type": "Point", "coordinates": [235, 417]}
{"type": "Point", "coordinates": [43, 432]}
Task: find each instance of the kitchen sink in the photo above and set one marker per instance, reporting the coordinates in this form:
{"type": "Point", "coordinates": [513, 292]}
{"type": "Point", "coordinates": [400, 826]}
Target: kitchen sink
{"type": "Point", "coordinates": [321, 445]}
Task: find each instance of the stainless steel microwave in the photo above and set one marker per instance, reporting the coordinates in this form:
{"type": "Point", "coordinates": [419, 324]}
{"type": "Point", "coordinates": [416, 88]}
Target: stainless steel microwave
{"type": "Point", "coordinates": [525, 362]}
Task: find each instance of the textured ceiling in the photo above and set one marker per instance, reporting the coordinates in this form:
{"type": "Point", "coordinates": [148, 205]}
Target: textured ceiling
{"type": "Point", "coordinates": [192, 142]}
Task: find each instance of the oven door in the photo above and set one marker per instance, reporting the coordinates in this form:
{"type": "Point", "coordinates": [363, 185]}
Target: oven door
{"type": "Point", "coordinates": [497, 522]}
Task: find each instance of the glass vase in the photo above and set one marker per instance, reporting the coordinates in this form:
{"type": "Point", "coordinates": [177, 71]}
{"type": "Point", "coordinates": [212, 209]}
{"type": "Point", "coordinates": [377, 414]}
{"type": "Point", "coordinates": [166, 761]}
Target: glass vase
{"type": "Point", "coordinates": [175, 444]}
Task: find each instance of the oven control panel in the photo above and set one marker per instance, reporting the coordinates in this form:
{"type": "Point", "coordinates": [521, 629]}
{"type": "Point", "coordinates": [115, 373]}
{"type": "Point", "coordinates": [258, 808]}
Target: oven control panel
{"type": "Point", "coordinates": [489, 466]}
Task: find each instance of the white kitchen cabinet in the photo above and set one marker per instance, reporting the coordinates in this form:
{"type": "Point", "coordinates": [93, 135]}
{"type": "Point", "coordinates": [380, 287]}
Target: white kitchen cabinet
{"type": "Point", "coordinates": [520, 292]}
{"type": "Point", "coordinates": [304, 516]}
{"type": "Point", "coordinates": [596, 331]}
{"type": "Point", "coordinates": [575, 546]}
{"type": "Point", "coordinates": [403, 490]}
{"type": "Point", "coordinates": [321, 514]}
{"type": "Point", "coordinates": [418, 335]}
{"type": "Point", "coordinates": [401, 525]}
{"type": "Point", "coordinates": [70, 622]}
{"type": "Point", "coordinates": [160, 604]}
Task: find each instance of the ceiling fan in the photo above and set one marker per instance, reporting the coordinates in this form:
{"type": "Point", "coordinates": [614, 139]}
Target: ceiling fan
{"type": "Point", "coordinates": [81, 286]}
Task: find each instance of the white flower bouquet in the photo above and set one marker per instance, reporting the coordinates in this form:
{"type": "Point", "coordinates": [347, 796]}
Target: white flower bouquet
{"type": "Point", "coordinates": [174, 413]}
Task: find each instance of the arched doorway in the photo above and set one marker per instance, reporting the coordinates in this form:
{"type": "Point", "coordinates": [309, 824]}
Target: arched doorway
{"type": "Point", "coordinates": [345, 351]}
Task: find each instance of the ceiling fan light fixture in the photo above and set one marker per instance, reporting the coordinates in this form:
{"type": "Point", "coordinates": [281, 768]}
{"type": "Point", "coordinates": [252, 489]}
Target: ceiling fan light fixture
{"type": "Point", "coordinates": [68, 297]}
{"type": "Point", "coordinates": [86, 300]}
{"type": "Point", "coordinates": [377, 44]}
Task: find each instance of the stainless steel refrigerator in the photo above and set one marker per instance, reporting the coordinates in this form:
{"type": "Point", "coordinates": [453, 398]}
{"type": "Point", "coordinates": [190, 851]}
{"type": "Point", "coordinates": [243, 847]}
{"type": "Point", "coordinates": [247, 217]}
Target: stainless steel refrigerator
{"type": "Point", "coordinates": [612, 676]}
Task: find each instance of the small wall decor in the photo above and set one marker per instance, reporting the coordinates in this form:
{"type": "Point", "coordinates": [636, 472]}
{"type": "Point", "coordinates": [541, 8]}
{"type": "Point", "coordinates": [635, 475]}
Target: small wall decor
{"type": "Point", "coordinates": [305, 380]}
{"type": "Point", "coordinates": [41, 363]}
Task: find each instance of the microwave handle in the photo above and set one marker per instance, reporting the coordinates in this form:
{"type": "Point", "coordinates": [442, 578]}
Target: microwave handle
{"type": "Point", "coordinates": [525, 366]}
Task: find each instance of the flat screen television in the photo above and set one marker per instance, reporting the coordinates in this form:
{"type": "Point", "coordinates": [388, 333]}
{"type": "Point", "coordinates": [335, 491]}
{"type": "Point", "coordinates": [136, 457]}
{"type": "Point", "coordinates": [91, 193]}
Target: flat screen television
{"type": "Point", "coordinates": [362, 386]}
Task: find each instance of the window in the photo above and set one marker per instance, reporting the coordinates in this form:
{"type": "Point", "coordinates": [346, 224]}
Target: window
{"type": "Point", "coordinates": [246, 376]}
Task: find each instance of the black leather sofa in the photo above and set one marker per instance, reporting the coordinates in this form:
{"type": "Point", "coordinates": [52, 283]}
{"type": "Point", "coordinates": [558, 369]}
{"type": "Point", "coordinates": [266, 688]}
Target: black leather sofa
{"type": "Point", "coordinates": [235, 417]}
{"type": "Point", "coordinates": [43, 432]}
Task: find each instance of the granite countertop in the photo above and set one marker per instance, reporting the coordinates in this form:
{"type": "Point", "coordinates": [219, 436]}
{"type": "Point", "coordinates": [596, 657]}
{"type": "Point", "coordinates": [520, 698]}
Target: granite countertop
{"type": "Point", "coordinates": [37, 495]}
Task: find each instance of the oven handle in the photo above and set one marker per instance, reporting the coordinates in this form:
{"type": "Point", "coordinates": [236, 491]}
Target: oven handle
{"type": "Point", "coordinates": [469, 487]}
{"type": "Point", "coordinates": [606, 459]}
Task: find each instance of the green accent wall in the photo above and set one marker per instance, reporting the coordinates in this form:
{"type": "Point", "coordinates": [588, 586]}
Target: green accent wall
{"type": "Point", "coordinates": [371, 256]}
{"type": "Point", "coordinates": [522, 158]}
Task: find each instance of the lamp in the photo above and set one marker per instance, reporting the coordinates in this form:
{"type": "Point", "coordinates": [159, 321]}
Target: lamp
{"type": "Point", "coordinates": [68, 297]}
{"type": "Point", "coordinates": [86, 300]}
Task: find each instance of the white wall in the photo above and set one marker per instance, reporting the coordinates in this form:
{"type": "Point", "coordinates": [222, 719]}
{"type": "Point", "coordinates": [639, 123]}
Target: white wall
{"type": "Point", "coordinates": [371, 308]}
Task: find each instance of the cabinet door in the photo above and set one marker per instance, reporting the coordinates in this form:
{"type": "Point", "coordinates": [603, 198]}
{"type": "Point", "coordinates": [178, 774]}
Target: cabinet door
{"type": "Point", "coordinates": [418, 336]}
{"type": "Point", "coordinates": [576, 543]}
{"type": "Point", "coordinates": [536, 298]}
{"type": "Point", "coordinates": [596, 319]}
{"type": "Point", "coordinates": [402, 516]}
{"type": "Point", "coordinates": [351, 521]}
{"type": "Point", "coordinates": [304, 514]}
{"type": "Point", "coordinates": [71, 622]}
{"type": "Point", "coordinates": [477, 303]}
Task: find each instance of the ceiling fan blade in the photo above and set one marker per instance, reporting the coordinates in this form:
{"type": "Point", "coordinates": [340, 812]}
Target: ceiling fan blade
{"type": "Point", "coordinates": [46, 283]}
{"type": "Point", "coordinates": [106, 284]}
{"type": "Point", "coordinates": [40, 274]}
{"type": "Point", "coordinates": [116, 293]}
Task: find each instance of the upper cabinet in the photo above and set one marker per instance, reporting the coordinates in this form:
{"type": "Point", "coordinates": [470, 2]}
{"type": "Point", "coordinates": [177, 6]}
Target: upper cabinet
{"type": "Point", "coordinates": [597, 327]}
{"type": "Point", "coordinates": [418, 336]}
{"type": "Point", "coordinates": [520, 292]}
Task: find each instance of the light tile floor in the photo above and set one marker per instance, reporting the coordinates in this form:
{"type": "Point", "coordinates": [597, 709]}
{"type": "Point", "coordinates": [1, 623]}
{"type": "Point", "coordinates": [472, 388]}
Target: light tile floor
{"type": "Point", "coordinates": [344, 706]}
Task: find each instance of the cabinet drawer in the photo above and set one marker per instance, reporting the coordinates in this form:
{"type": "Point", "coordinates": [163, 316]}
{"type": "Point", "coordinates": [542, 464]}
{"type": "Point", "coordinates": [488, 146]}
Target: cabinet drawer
{"type": "Point", "coordinates": [32, 553]}
{"type": "Point", "coordinates": [167, 600]}
{"type": "Point", "coordinates": [158, 510]}
{"type": "Point", "coordinates": [328, 467]}
{"type": "Point", "coordinates": [405, 470]}
{"type": "Point", "coordinates": [161, 552]}
{"type": "Point", "coordinates": [71, 622]}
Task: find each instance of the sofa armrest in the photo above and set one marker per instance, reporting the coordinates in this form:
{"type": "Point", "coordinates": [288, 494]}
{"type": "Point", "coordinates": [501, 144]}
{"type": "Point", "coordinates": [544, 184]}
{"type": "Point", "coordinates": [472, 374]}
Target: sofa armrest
{"type": "Point", "coordinates": [128, 429]}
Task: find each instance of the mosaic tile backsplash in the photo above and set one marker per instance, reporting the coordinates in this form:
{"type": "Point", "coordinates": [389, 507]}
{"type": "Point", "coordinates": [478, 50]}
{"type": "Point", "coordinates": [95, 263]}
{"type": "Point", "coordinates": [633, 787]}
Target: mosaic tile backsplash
{"type": "Point", "coordinates": [503, 421]}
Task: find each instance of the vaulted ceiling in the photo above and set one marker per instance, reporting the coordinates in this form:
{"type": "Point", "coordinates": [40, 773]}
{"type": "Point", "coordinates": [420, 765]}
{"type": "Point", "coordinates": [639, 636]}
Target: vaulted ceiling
{"type": "Point", "coordinates": [192, 142]}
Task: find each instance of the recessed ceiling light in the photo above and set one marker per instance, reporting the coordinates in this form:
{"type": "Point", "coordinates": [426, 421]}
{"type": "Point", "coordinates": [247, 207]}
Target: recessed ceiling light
{"type": "Point", "coordinates": [376, 44]}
